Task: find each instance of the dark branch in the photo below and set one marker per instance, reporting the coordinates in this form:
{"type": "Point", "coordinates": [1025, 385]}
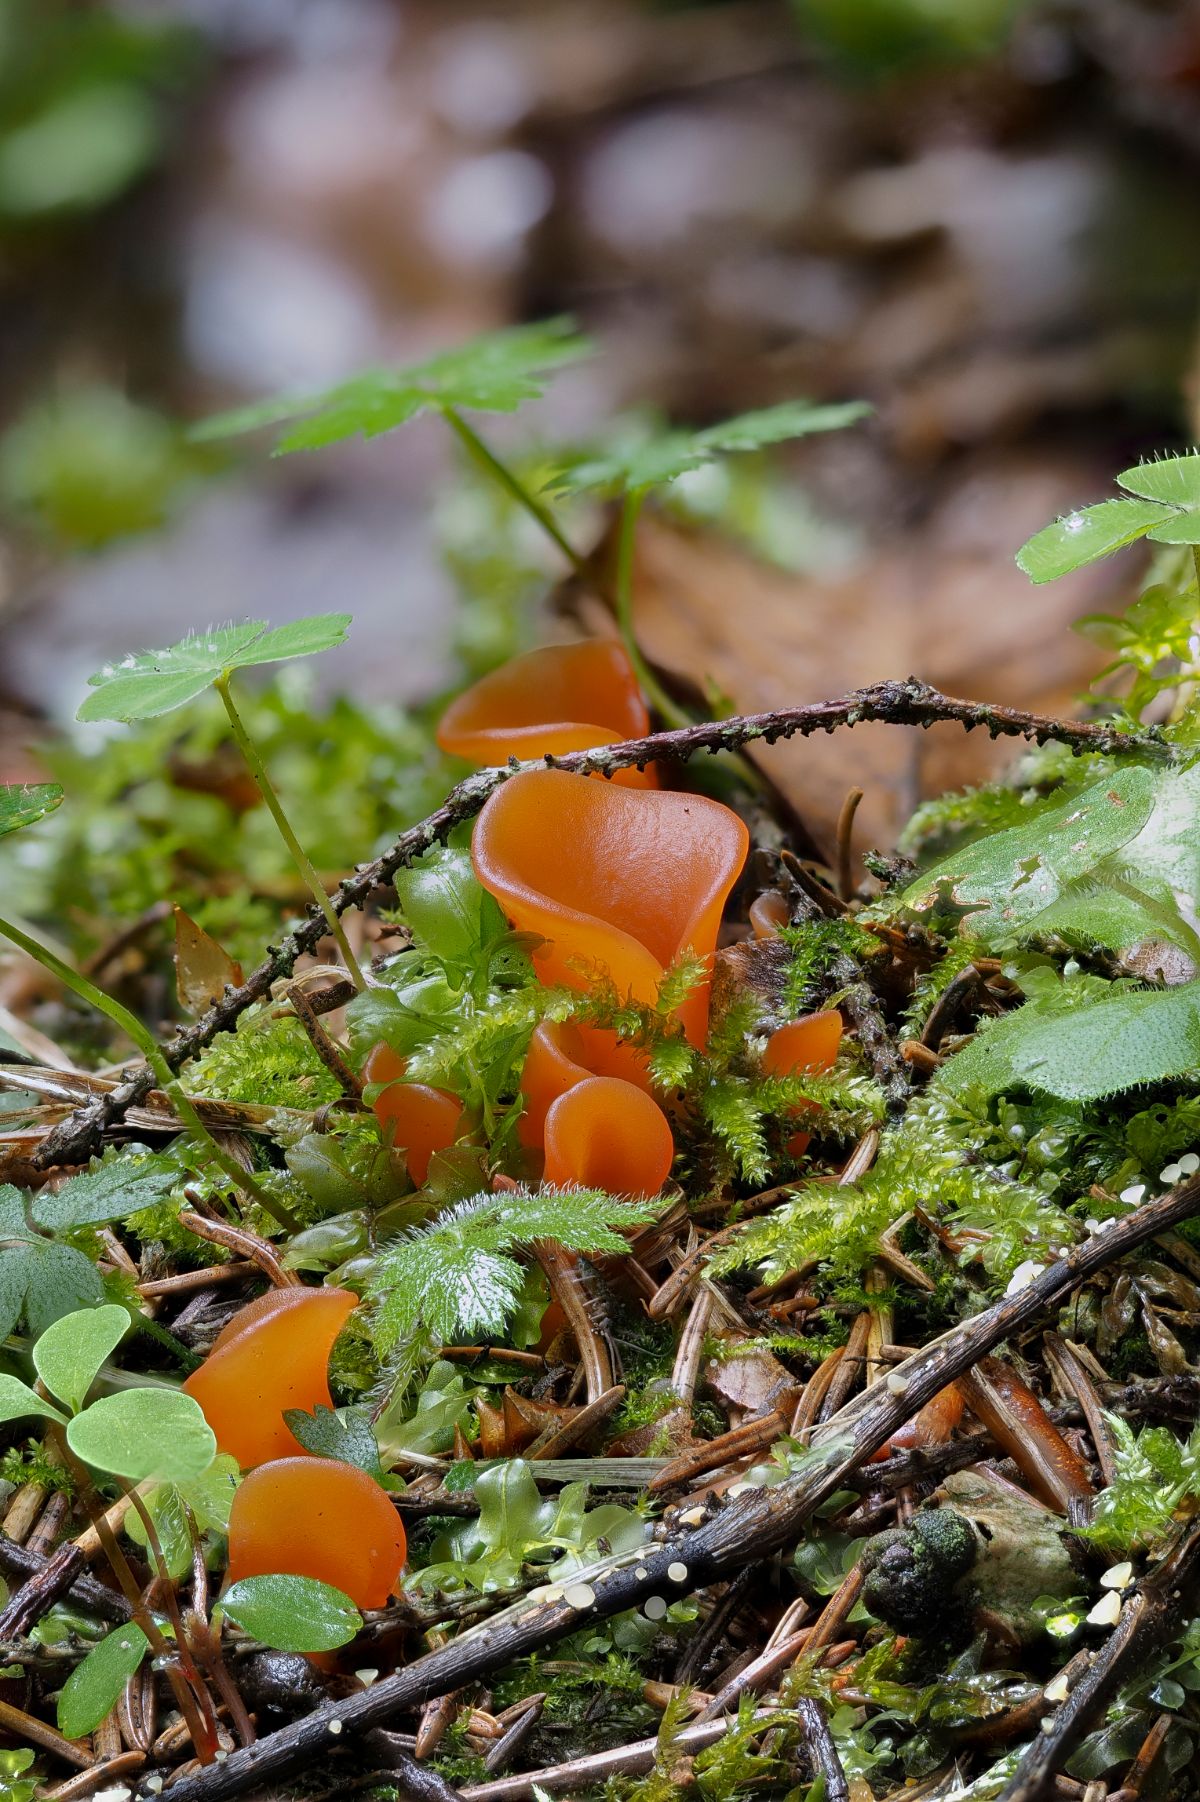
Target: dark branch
{"type": "Point", "coordinates": [908, 703]}
{"type": "Point", "coordinates": [759, 1522]}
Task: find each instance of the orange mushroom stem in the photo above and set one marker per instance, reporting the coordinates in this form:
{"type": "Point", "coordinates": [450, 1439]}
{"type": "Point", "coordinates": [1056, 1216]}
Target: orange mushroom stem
{"type": "Point", "coordinates": [616, 881]}
{"type": "Point", "coordinates": [272, 1355]}
{"type": "Point", "coordinates": [422, 1120]}
{"type": "Point", "coordinates": [314, 1517]}
{"type": "Point", "coordinates": [607, 1134]}
{"type": "Point", "coordinates": [808, 1045]}
{"type": "Point", "coordinates": [566, 697]}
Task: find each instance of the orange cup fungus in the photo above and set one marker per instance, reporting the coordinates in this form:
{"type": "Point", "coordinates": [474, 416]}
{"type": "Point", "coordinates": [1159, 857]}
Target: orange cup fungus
{"type": "Point", "coordinates": [422, 1119]}
{"type": "Point", "coordinates": [810, 1044]}
{"type": "Point", "coordinates": [566, 697]}
{"type": "Point", "coordinates": [561, 1055]}
{"type": "Point", "coordinates": [605, 1134]}
{"type": "Point", "coordinates": [314, 1517]}
{"type": "Point", "coordinates": [272, 1355]}
{"type": "Point", "coordinates": [618, 881]}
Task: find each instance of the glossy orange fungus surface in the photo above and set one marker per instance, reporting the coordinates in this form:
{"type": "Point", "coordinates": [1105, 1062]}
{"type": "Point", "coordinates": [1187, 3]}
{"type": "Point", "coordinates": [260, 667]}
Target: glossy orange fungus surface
{"type": "Point", "coordinates": [810, 1044]}
{"type": "Point", "coordinates": [566, 697]}
{"type": "Point", "coordinates": [314, 1517]}
{"type": "Point", "coordinates": [422, 1119]}
{"type": "Point", "coordinates": [272, 1355]}
{"type": "Point", "coordinates": [561, 1055]}
{"type": "Point", "coordinates": [605, 1134]}
{"type": "Point", "coordinates": [617, 880]}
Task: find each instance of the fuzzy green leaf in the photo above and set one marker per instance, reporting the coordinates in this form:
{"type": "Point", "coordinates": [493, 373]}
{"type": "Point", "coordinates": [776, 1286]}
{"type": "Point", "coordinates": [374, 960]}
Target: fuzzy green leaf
{"type": "Point", "coordinates": [651, 463]}
{"type": "Point", "coordinates": [111, 1190]}
{"type": "Point", "coordinates": [1177, 528]}
{"type": "Point", "coordinates": [293, 1614]}
{"type": "Point", "coordinates": [1173, 480]}
{"type": "Point", "coordinates": [492, 374]}
{"type": "Point", "coordinates": [147, 683]}
{"type": "Point", "coordinates": [24, 803]}
{"type": "Point", "coordinates": [140, 1433]}
{"type": "Point", "coordinates": [1086, 536]}
{"type": "Point", "coordinates": [39, 1279]}
{"type": "Point", "coordinates": [95, 1686]}
{"type": "Point", "coordinates": [1114, 1044]}
{"type": "Point", "coordinates": [69, 1353]}
{"type": "Point", "coordinates": [1006, 879]}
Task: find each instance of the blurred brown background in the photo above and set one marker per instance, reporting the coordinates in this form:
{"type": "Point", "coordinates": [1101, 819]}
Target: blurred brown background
{"type": "Point", "coordinates": [982, 216]}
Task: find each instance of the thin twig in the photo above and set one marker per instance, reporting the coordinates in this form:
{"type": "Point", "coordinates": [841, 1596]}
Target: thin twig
{"type": "Point", "coordinates": [906, 703]}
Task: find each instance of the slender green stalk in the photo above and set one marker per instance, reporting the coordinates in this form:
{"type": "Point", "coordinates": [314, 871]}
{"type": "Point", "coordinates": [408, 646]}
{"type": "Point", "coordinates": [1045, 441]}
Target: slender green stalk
{"type": "Point", "coordinates": [1196, 564]}
{"type": "Point", "coordinates": [147, 1044]}
{"type": "Point", "coordinates": [300, 857]}
{"type": "Point", "coordinates": [626, 540]}
{"type": "Point", "coordinates": [512, 483]}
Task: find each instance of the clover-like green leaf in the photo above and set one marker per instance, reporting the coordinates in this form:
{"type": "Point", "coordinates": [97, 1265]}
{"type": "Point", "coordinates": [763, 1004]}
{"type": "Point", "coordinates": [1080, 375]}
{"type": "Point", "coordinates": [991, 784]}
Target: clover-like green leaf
{"type": "Point", "coordinates": [147, 683]}
{"type": "Point", "coordinates": [293, 1614]}
{"type": "Point", "coordinates": [112, 1189]}
{"type": "Point", "coordinates": [344, 1434]}
{"type": "Point", "coordinates": [96, 1685]}
{"type": "Point", "coordinates": [140, 1433]}
{"type": "Point", "coordinates": [1173, 480]}
{"type": "Point", "coordinates": [24, 803]}
{"type": "Point", "coordinates": [17, 1400]}
{"type": "Point", "coordinates": [649, 463]}
{"type": "Point", "coordinates": [69, 1353]}
{"type": "Point", "coordinates": [492, 374]}
{"type": "Point", "coordinates": [39, 1279]}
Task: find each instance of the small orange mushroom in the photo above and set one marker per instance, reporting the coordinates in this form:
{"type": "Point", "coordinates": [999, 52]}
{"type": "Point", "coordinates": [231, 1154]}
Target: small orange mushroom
{"type": "Point", "coordinates": [314, 1517]}
{"type": "Point", "coordinates": [422, 1119]}
{"type": "Point", "coordinates": [272, 1355]}
{"type": "Point", "coordinates": [561, 1055]}
{"type": "Point", "coordinates": [607, 1134]}
{"type": "Point", "coordinates": [931, 1425]}
{"type": "Point", "coordinates": [810, 1044]}
{"type": "Point", "coordinates": [565, 697]}
{"type": "Point", "coordinates": [618, 880]}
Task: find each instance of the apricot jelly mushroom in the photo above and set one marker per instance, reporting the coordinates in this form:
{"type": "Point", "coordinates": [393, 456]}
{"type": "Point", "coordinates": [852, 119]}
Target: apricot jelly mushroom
{"type": "Point", "coordinates": [810, 1044]}
{"type": "Point", "coordinates": [619, 881]}
{"type": "Point", "coordinates": [422, 1119]}
{"type": "Point", "coordinates": [561, 1055]}
{"type": "Point", "coordinates": [272, 1355]}
{"type": "Point", "coordinates": [565, 697]}
{"type": "Point", "coordinates": [606, 1134]}
{"type": "Point", "coordinates": [314, 1517]}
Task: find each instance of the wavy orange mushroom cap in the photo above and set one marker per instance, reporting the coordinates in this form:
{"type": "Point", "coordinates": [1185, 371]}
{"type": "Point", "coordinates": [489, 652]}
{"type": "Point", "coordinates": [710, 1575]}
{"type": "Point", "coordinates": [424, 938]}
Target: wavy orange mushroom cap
{"type": "Point", "coordinates": [619, 879]}
{"type": "Point", "coordinates": [423, 1119]}
{"type": "Point", "coordinates": [605, 1134]}
{"type": "Point", "coordinates": [565, 697]}
{"type": "Point", "coordinates": [272, 1355]}
{"type": "Point", "coordinates": [314, 1517]}
{"type": "Point", "coordinates": [561, 1055]}
{"type": "Point", "coordinates": [810, 1044]}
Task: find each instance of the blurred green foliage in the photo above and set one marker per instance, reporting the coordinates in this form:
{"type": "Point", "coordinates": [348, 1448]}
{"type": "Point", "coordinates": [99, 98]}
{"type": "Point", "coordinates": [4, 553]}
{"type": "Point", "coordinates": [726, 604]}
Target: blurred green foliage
{"type": "Point", "coordinates": [84, 103]}
{"type": "Point", "coordinates": [879, 37]}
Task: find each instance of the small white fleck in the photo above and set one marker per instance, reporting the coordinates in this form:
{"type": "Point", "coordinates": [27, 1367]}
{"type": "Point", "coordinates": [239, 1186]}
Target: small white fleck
{"type": "Point", "coordinates": [1189, 1163]}
{"type": "Point", "coordinates": [1058, 1689]}
{"type": "Point", "coordinates": [1133, 1194]}
{"type": "Point", "coordinates": [1074, 522]}
{"type": "Point", "coordinates": [1023, 1275]}
{"type": "Point", "coordinates": [654, 1608]}
{"type": "Point", "coordinates": [678, 1573]}
{"type": "Point", "coordinates": [641, 1573]}
{"type": "Point", "coordinates": [1169, 1174]}
{"type": "Point", "coordinates": [579, 1595]}
{"type": "Point", "coordinates": [1046, 1723]}
{"type": "Point", "coordinates": [736, 1489]}
{"type": "Point", "coordinates": [335, 1726]}
{"type": "Point", "coordinates": [540, 1594]}
{"type": "Point", "coordinates": [154, 1785]}
{"type": "Point", "coordinates": [693, 1517]}
{"type": "Point", "coordinates": [1117, 1576]}
{"type": "Point", "coordinates": [896, 1383]}
{"type": "Point", "coordinates": [1107, 1611]}
{"type": "Point", "coordinates": [116, 1792]}
{"type": "Point", "coordinates": [219, 1756]}
{"type": "Point", "coordinates": [553, 1593]}
{"type": "Point", "coordinates": [367, 1676]}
